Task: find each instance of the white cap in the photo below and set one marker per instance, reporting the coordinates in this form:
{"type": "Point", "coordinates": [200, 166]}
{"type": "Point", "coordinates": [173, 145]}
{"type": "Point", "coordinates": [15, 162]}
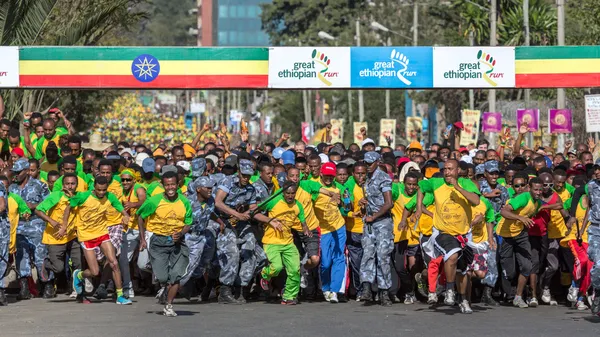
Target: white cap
{"type": "Point", "coordinates": [184, 165]}
{"type": "Point", "coordinates": [324, 158]}
{"type": "Point", "coordinates": [367, 141]}
{"type": "Point", "coordinates": [139, 159]}
{"type": "Point", "coordinates": [126, 150]}
{"type": "Point", "coordinates": [467, 159]}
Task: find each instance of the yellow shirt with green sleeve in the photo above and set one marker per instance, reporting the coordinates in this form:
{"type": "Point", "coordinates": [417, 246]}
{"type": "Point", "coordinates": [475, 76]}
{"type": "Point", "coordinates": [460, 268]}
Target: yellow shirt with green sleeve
{"type": "Point", "coordinates": [132, 197]}
{"type": "Point", "coordinates": [91, 214]}
{"type": "Point", "coordinates": [579, 215]}
{"type": "Point", "coordinates": [328, 213]}
{"type": "Point", "coordinates": [42, 143]}
{"type": "Point", "coordinates": [165, 217]}
{"type": "Point", "coordinates": [290, 216]}
{"type": "Point", "coordinates": [54, 206]}
{"type": "Point", "coordinates": [479, 232]}
{"type": "Point", "coordinates": [523, 205]}
{"type": "Point", "coordinates": [425, 225]}
{"type": "Point", "coordinates": [112, 216]}
{"type": "Point", "coordinates": [16, 207]}
{"type": "Point", "coordinates": [353, 224]}
{"type": "Point", "coordinates": [307, 192]}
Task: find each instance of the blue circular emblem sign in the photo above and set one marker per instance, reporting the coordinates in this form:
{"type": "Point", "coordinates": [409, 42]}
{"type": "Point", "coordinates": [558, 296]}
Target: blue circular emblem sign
{"type": "Point", "coordinates": [145, 68]}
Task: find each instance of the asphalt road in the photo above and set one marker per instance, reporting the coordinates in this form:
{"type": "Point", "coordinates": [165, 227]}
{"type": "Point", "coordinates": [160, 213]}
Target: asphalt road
{"type": "Point", "coordinates": [63, 317]}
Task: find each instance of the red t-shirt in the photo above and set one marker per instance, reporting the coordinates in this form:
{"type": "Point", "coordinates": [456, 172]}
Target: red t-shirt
{"type": "Point", "coordinates": [542, 219]}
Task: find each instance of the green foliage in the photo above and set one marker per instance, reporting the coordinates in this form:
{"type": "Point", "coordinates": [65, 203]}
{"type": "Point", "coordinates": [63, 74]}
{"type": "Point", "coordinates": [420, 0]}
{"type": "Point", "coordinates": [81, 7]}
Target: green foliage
{"type": "Point", "coordinates": [168, 24]}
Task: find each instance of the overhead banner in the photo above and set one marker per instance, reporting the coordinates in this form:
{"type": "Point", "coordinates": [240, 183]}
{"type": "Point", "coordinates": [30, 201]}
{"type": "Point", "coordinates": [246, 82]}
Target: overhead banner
{"type": "Point", "coordinates": [143, 67]}
{"type": "Point", "coordinates": [309, 67]}
{"type": "Point", "coordinates": [592, 113]}
{"type": "Point", "coordinates": [387, 132]}
{"type": "Point", "coordinates": [491, 122]}
{"type": "Point", "coordinates": [358, 137]}
{"type": "Point", "coordinates": [560, 121]}
{"type": "Point", "coordinates": [529, 116]}
{"type": "Point", "coordinates": [470, 134]}
{"type": "Point", "coordinates": [474, 67]}
{"type": "Point", "coordinates": [337, 131]}
{"type": "Point", "coordinates": [414, 128]}
{"type": "Point", "coordinates": [392, 67]}
{"type": "Point", "coordinates": [9, 67]}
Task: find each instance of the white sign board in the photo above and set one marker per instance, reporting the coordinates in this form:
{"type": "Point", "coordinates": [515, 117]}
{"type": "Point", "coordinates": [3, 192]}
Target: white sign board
{"type": "Point", "coordinates": [9, 67]}
{"type": "Point", "coordinates": [197, 107]}
{"type": "Point", "coordinates": [309, 67]}
{"type": "Point", "coordinates": [592, 113]}
{"type": "Point", "coordinates": [474, 67]}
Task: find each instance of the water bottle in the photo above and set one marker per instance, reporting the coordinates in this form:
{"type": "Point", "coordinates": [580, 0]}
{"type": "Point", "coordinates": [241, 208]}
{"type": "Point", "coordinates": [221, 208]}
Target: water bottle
{"type": "Point", "coordinates": [447, 131]}
{"type": "Point", "coordinates": [347, 204]}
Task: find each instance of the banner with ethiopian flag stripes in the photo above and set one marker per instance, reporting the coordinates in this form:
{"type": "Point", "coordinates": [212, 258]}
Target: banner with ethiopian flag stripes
{"type": "Point", "coordinates": [143, 67]}
{"type": "Point", "coordinates": [557, 67]}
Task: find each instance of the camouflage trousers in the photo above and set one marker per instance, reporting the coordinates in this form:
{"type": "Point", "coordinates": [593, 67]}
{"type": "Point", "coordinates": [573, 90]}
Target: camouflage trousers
{"type": "Point", "coordinates": [30, 248]}
{"type": "Point", "coordinates": [594, 253]}
{"type": "Point", "coordinates": [239, 255]}
{"type": "Point", "coordinates": [4, 243]}
{"type": "Point", "coordinates": [377, 253]}
{"type": "Point", "coordinates": [202, 246]}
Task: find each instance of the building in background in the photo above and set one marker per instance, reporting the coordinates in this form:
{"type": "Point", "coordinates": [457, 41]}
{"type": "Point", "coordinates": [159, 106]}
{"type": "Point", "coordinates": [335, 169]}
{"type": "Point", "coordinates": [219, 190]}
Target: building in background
{"type": "Point", "coordinates": [232, 23]}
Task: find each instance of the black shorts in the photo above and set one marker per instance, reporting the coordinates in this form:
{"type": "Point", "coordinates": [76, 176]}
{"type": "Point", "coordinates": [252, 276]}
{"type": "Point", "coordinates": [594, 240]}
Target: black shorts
{"type": "Point", "coordinates": [448, 245]}
{"type": "Point", "coordinates": [312, 244]}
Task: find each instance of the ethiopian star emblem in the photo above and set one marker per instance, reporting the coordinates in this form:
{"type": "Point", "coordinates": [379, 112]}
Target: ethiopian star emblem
{"type": "Point", "coordinates": [145, 68]}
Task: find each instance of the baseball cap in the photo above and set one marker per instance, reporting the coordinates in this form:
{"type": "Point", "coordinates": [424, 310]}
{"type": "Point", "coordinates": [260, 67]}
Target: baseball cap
{"type": "Point", "coordinates": [184, 165]}
{"type": "Point", "coordinates": [245, 166]}
{"type": "Point", "coordinates": [467, 159]}
{"type": "Point", "coordinates": [480, 169]}
{"type": "Point", "coordinates": [459, 125]}
{"type": "Point", "coordinates": [198, 167]}
{"type": "Point", "coordinates": [213, 158]}
{"type": "Point", "coordinates": [328, 169]}
{"type": "Point", "coordinates": [20, 165]}
{"type": "Point", "coordinates": [277, 152]}
{"type": "Point", "coordinates": [148, 165]}
{"type": "Point", "coordinates": [204, 182]}
{"type": "Point", "coordinates": [126, 150]}
{"type": "Point", "coordinates": [402, 160]}
{"type": "Point", "coordinates": [289, 157]}
{"type": "Point", "coordinates": [398, 154]}
{"type": "Point", "coordinates": [463, 149]}
{"type": "Point", "coordinates": [491, 166]}
{"type": "Point", "coordinates": [140, 158]}
{"type": "Point", "coordinates": [168, 168]}
{"type": "Point", "coordinates": [230, 161]}
{"type": "Point", "coordinates": [367, 141]}
{"type": "Point", "coordinates": [324, 158]}
{"type": "Point", "coordinates": [415, 145]}
{"type": "Point", "coordinates": [18, 151]}
{"type": "Point", "coordinates": [371, 157]}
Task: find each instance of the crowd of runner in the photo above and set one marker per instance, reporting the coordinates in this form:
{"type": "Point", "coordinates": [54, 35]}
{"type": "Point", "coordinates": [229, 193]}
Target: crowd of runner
{"type": "Point", "coordinates": [291, 222]}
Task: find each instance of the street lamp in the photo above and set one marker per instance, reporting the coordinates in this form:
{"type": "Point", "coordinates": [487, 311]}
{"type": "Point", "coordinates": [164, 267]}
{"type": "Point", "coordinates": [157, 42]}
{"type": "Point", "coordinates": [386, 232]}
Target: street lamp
{"type": "Point", "coordinates": [378, 26]}
{"type": "Point", "coordinates": [325, 36]}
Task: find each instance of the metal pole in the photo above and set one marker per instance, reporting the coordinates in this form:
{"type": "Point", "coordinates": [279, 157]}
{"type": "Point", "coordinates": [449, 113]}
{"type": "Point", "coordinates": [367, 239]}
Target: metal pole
{"type": "Point", "coordinates": [492, 92]}
{"type": "Point", "coordinates": [471, 92]}
{"type": "Point", "coordinates": [560, 93]}
{"type": "Point", "coordinates": [387, 91]}
{"type": "Point", "coordinates": [527, 42]}
{"type": "Point", "coordinates": [415, 23]}
{"type": "Point", "coordinates": [361, 102]}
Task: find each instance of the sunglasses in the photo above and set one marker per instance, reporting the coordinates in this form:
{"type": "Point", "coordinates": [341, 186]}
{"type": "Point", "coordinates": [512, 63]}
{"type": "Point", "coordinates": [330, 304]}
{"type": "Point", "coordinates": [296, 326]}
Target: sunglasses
{"type": "Point", "coordinates": [550, 185]}
{"type": "Point", "coordinates": [126, 179]}
{"type": "Point", "coordinates": [519, 185]}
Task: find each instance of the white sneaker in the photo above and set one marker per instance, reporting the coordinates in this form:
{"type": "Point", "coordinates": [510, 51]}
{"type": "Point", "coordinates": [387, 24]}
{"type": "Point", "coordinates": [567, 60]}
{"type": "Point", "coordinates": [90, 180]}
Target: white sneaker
{"type": "Point", "coordinates": [73, 294]}
{"type": "Point", "coordinates": [465, 308]}
{"type": "Point", "coordinates": [333, 297]}
{"type": "Point", "coordinates": [408, 299]}
{"type": "Point", "coordinates": [303, 277]}
{"type": "Point", "coordinates": [519, 303]}
{"type": "Point", "coordinates": [532, 302]}
{"type": "Point", "coordinates": [572, 296]}
{"type": "Point", "coordinates": [327, 295]}
{"type": "Point", "coordinates": [449, 299]}
{"type": "Point", "coordinates": [581, 306]}
{"type": "Point", "coordinates": [546, 296]}
{"type": "Point", "coordinates": [553, 302]}
{"type": "Point", "coordinates": [129, 293]}
{"type": "Point", "coordinates": [432, 298]}
{"type": "Point", "coordinates": [168, 311]}
{"type": "Point", "coordinates": [89, 287]}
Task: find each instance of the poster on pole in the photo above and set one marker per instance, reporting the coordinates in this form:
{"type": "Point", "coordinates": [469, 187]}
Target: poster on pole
{"type": "Point", "coordinates": [358, 137]}
{"type": "Point", "coordinates": [491, 122]}
{"type": "Point", "coordinates": [592, 113]}
{"type": "Point", "coordinates": [9, 67]}
{"type": "Point", "coordinates": [529, 116]}
{"type": "Point", "coordinates": [560, 121]}
{"type": "Point", "coordinates": [337, 131]}
{"type": "Point", "coordinates": [387, 131]}
{"type": "Point", "coordinates": [414, 128]}
{"type": "Point", "coordinates": [306, 132]}
{"type": "Point", "coordinates": [470, 119]}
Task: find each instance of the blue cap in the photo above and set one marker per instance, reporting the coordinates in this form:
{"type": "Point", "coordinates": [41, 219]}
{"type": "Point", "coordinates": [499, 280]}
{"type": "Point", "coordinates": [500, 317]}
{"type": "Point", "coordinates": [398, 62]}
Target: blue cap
{"type": "Point", "coordinates": [278, 152]}
{"type": "Point", "coordinates": [246, 167]}
{"type": "Point", "coordinates": [371, 157]}
{"type": "Point", "coordinates": [480, 169]}
{"type": "Point", "coordinates": [549, 161]}
{"type": "Point", "coordinates": [491, 166]}
{"type": "Point", "coordinates": [198, 167]}
{"type": "Point", "coordinates": [20, 165]}
{"type": "Point", "coordinates": [148, 165]}
{"type": "Point", "coordinates": [289, 157]}
{"type": "Point", "coordinates": [204, 182]}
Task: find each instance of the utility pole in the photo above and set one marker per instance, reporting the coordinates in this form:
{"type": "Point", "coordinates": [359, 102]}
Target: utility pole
{"type": "Point", "coordinates": [527, 42]}
{"type": "Point", "coordinates": [415, 23]}
{"type": "Point", "coordinates": [361, 102]}
{"type": "Point", "coordinates": [471, 92]}
{"type": "Point", "coordinates": [492, 92]}
{"type": "Point", "coordinates": [560, 93]}
{"type": "Point", "coordinates": [387, 91]}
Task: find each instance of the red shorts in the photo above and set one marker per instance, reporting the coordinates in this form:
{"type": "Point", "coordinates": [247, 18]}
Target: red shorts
{"type": "Point", "coordinates": [93, 243]}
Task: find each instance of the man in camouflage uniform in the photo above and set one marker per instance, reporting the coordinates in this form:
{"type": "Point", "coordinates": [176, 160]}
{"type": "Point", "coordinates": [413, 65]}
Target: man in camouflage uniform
{"type": "Point", "coordinates": [264, 184]}
{"type": "Point", "coordinates": [593, 216]}
{"type": "Point", "coordinates": [29, 232]}
{"type": "Point", "coordinates": [234, 199]}
{"type": "Point", "coordinates": [198, 170]}
{"type": "Point", "coordinates": [378, 232]}
{"type": "Point", "coordinates": [4, 242]}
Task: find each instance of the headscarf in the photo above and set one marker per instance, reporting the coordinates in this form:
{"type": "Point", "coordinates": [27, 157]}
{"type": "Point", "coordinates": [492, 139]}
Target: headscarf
{"type": "Point", "coordinates": [406, 168]}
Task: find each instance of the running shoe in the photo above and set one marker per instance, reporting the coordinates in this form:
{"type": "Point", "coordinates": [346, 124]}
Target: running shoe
{"type": "Point", "coordinates": [77, 286]}
{"type": "Point", "coordinates": [518, 302]}
{"type": "Point", "coordinates": [581, 306]}
{"type": "Point", "coordinates": [546, 296]}
{"type": "Point", "coordinates": [327, 295]}
{"type": "Point", "coordinates": [89, 286]}
{"type": "Point", "coordinates": [421, 285]}
{"type": "Point", "coordinates": [333, 298]}
{"type": "Point", "coordinates": [264, 284]}
{"type": "Point", "coordinates": [101, 292]}
{"type": "Point", "coordinates": [123, 301]}
{"type": "Point", "coordinates": [449, 298]}
{"type": "Point", "coordinates": [303, 277]}
{"type": "Point", "coordinates": [129, 293]}
{"type": "Point", "coordinates": [289, 302]}
{"type": "Point", "coordinates": [408, 299]}
{"type": "Point", "coordinates": [532, 302]}
{"type": "Point", "coordinates": [553, 302]}
{"type": "Point", "coordinates": [168, 311]}
{"type": "Point", "coordinates": [432, 298]}
{"type": "Point", "coordinates": [73, 294]}
{"type": "Point", "coordinates": [465, 308]}
{"type": "Point", "coordinates": [572, 295]}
